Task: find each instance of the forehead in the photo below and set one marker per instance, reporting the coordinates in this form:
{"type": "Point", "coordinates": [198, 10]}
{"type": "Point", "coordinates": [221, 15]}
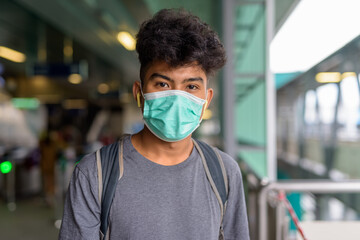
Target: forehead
{"type": "Point", "coordinates": [177, 73]}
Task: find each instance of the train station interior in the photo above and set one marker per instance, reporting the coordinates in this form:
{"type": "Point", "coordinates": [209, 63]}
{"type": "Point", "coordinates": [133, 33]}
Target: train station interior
{"type": "Point", "coordinates": [286, 106]}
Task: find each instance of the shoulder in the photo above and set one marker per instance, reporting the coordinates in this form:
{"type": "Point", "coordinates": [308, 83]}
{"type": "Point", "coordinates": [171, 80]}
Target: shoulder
{"type": "Point", "coordinates": [230, 164]}
{"type": "Point", "coordinates": [87, 166]}
{"type": "Point", "coordinates": [84, 177]}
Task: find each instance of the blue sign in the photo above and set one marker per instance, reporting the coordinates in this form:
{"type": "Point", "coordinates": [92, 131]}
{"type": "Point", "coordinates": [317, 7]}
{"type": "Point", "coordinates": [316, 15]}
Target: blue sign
{"type": "Point", "coordinates": [61, 69]}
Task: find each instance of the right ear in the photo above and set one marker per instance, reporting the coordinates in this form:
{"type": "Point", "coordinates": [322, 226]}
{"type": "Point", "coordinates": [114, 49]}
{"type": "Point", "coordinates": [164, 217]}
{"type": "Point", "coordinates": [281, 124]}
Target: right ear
{"type": "Point", "coordinates": [137, 93]}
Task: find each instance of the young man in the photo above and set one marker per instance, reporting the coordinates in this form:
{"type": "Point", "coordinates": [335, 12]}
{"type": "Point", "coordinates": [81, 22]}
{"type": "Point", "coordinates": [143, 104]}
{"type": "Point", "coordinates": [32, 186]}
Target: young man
{"type": "Point", "coordinates": [164, 192]}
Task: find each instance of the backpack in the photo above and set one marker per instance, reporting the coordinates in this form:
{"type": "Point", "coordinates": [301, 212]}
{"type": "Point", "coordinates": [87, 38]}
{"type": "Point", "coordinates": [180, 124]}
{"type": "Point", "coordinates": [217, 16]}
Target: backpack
{"type": "Point", "coordinates": [110, 167]}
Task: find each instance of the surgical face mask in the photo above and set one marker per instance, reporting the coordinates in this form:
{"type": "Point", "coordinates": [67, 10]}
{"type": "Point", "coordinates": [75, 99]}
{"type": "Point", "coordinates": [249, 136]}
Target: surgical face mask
{"type": "Point", "coordinates": [172, 115]}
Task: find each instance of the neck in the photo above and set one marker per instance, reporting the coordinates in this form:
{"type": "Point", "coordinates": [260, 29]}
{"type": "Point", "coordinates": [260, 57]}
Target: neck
{"type": "Point", "coordinates": [159, 151]}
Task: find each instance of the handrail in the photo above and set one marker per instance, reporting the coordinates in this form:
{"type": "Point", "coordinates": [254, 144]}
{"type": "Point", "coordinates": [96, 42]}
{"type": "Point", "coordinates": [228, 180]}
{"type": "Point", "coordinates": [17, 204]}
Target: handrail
{"type": "Point", "coordinates": [321, 186]}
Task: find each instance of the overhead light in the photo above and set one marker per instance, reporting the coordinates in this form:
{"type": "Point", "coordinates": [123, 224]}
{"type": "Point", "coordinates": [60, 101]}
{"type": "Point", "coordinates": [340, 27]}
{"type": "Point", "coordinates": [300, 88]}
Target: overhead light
{"type": "Point", "coordinates": [328, 77]}
{"type": "Point", "coordinates": [12, 55]}
{"type": "Point", "coordinates": [75, 78]}
{"type": "Point", "coordinates": [127, 40]}
{"type": "Point", "coordinates": [68, 48]}
{"type": "Point", "coordinates": [68, 51]}
{"type": "Point", "coordinates": [103, 88]}
{"type": "Point", "coordinates": [348, 74]}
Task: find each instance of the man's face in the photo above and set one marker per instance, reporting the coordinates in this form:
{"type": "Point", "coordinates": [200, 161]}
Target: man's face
{"type": "Point", "coordinates": [161, 77]}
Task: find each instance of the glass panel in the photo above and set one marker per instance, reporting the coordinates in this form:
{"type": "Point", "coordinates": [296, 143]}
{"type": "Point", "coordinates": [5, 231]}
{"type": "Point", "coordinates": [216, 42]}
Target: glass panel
{"type": "Point", "coordinates": [349, 109]}
{"type": "Point", "coordinates": [310, 107]}
{"type": "Point", "coordinates": [327, 95]}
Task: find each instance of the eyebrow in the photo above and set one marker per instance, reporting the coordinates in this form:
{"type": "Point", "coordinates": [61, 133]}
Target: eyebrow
{"type": "Point", "coordinates": [195, 79]}
{"type": "Point", "coordinates": [154, 75]}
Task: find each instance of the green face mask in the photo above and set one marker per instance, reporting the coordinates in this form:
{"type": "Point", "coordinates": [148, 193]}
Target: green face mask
{"type": "Point", "coordinates": [172, 115]}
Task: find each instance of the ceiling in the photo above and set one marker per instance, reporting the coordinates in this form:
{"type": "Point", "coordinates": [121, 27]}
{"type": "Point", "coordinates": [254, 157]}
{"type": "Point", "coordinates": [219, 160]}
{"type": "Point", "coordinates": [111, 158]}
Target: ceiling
{"type": "Point", "coordinates": [95, 23]}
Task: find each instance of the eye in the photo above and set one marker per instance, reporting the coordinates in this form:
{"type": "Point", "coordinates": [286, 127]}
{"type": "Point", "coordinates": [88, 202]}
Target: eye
{"type": "Point", "coordinates": [162, 84]}
{"type": "Point", "coordinates": [192, 87]}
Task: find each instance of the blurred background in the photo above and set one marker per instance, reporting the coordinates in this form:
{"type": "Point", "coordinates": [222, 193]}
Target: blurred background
{"type": "Point", "coordinates": [286, 106]}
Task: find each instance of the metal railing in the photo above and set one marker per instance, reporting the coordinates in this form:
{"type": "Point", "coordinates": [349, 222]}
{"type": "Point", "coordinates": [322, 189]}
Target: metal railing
{"type": "Point", "coordinates": [352, 186]}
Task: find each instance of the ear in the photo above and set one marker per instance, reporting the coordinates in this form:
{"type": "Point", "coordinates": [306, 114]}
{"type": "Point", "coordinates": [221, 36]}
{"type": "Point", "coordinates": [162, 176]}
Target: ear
{"type": "Point", "coordinates": [210, 94]}
{"type": "Point", "coordinates": [137, 93]}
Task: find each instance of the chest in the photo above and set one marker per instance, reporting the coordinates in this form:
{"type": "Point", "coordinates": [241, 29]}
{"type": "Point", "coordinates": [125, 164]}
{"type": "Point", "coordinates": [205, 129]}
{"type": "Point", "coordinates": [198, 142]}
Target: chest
{"type": "Point", "coordinates": [164, 202]}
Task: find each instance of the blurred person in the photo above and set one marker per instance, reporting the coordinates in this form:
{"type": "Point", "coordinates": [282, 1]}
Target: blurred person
{"type": "Point", "coordinates": [164, 192]}
{"type": "Point", "coordinates": [48, 150]}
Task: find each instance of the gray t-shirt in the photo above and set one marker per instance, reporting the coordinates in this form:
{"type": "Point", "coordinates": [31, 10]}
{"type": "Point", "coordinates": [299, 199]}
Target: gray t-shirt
{"type": "Point", "coordinates": [153, 201]}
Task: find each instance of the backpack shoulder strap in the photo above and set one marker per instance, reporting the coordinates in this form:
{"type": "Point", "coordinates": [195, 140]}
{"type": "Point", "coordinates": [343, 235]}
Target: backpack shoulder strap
{"type": "Point", "coordinates": [216, 174]}
{"type": "Point", "coordinates": [110, 166]}
{"type": "Point", "coordinates": [214, 168]}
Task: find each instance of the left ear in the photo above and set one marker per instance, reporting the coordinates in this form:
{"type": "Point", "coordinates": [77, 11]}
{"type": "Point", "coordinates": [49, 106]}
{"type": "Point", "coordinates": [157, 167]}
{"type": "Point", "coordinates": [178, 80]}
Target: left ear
{"type": "Point", "coordinates": [210, 94]}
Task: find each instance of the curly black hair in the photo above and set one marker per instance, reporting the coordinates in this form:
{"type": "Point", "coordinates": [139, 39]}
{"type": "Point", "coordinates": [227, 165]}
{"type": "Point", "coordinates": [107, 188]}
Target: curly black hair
{"type": "Point", "coordinates": [179, 38]}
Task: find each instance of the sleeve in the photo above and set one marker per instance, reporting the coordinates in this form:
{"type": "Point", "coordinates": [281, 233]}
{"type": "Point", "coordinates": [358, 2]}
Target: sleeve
{"type": "Point", "coordinates": [81, 218]}
{"type": "Point", "coordinates": [235, 221]}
